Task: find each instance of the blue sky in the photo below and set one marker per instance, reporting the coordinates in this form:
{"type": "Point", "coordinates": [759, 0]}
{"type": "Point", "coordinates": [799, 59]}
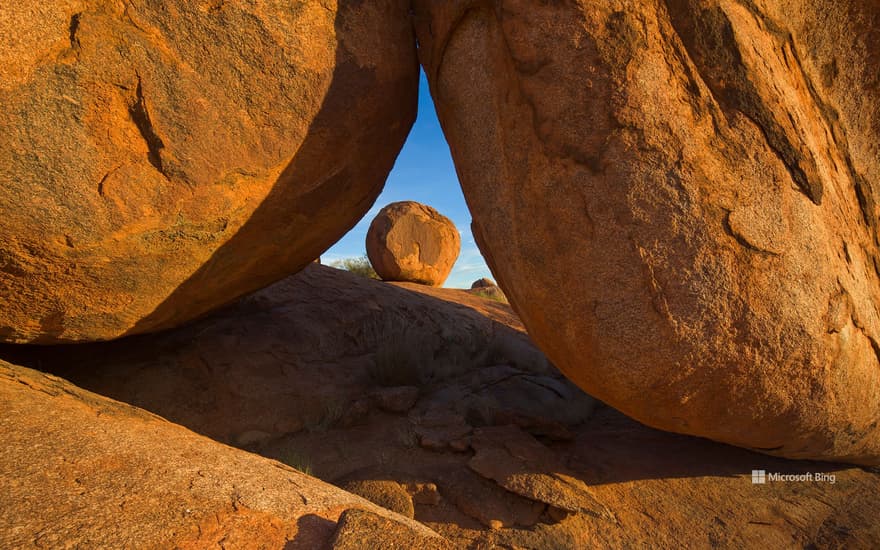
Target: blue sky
{"type": "Point", "coordinates": [424, 172]}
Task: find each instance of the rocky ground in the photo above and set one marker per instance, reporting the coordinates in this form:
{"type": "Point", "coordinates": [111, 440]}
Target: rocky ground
{"type": "Point", "coordinates": [429, 402]}
{"type": "Point", "coordinates": [78, 470]}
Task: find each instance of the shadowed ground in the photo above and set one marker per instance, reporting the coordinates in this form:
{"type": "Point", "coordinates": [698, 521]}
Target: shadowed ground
{"type": "Point", "coordinates": [494, 449]}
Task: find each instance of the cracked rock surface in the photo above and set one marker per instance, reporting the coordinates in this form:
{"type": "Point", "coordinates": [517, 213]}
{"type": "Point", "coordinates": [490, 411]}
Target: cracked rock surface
{"type": "Point", "coordinates": [80, 470]}
{"type": "Point", "coordinates": [279, 376]}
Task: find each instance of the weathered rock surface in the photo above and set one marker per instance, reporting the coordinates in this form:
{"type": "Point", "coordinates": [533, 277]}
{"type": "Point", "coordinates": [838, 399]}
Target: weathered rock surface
{"type": "Point", "coordinates": [679, 199]}
{"type": "Point", "coordinates": [398, 399]}
{"type": "Point", "coordinates": [386, 493]}
{"type": "Point", "coordinates": [360, 529]}
{"type": "Point", "coordinates": [409, 241]}
{"type": "Point", "coordinates": [80, 470]}
{"type": "Point", "coordinates": [274, 363]}
{"type": "Point", "coordinates": [441, 428]}
{"type": "Point", "coordinates": [252, 366]}
{"type": "Point", "coordinates": [488, 503]}
{"type": "Point", "coordinates": [158, 160]}
{"type": "Point", "coordinates": [522, 465]}
{"type": "Point", "coordinates": [497, 395]}
{"type": "Point", "coordinates": [483, 283]}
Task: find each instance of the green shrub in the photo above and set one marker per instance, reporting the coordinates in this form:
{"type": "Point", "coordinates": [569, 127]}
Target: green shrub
{"type": "Point", "coordinates": [490, 295]}
{"type": "Point", "coordinates": [330, 413]}
{"type": "Point", "coordinates": [296, 460]}
{"type": "Point", "coordinates": [359, 266]}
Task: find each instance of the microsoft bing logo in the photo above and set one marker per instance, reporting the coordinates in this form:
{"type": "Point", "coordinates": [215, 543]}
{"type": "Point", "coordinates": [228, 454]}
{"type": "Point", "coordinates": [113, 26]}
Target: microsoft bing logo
{"type": "Point", "coordinates": [759, 476]}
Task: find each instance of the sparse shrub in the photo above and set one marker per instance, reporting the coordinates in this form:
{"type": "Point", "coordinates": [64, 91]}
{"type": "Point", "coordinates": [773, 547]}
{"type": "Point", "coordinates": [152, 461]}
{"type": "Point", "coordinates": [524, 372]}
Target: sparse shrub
{"type": "Point", "coordinates": [407, 436]}
{"type": "Point", "coordinates": [330, 413]}
{"type": "Point", "coordinates": [296, 460]}
{"type": "Point", "coordinates": [359, 266]}
{"type": "Point", "coordinates": [491, 293]}
{"type": "Point", "coordinates": [488, 296]}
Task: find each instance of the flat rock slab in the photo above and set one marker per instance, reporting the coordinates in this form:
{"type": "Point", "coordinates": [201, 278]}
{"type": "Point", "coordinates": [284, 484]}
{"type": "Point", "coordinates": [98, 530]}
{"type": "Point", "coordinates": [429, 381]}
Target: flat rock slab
{"type": "Point", "coordinates": [487, 502]}
{"type": "Point", "coordinates": [359, 529]}
{"type": "Point", "coordinates": [521, 464]}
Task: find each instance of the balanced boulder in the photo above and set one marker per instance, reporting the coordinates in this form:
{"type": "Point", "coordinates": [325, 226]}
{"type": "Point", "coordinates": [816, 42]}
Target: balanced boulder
{"type": "Point", "coordinates": [408, 241]}
{"type": "Point", "coordinates": [680, 200]}
{"type": "Point", "coordinates": [158, 160]}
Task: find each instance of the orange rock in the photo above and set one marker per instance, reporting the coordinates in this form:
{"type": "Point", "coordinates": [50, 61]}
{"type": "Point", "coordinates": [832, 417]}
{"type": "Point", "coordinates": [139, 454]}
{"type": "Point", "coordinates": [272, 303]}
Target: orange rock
{"type": "Point", "coordinates": [228, 375]}
{"type": "Point", "coordinates": [483, 283]}
{"type": "Point", "coordinates": [408, 241]}
{"type": "Point", "coordinates": [158, 160]}
{"type": "Point", "coordinates": [82, 470]}
{"type": "Point", "coordinates": [679, 199]}
{"type": "Point", "coordinates": [359, 529]}
{"type": "Point", "coordinates": [146, 482]}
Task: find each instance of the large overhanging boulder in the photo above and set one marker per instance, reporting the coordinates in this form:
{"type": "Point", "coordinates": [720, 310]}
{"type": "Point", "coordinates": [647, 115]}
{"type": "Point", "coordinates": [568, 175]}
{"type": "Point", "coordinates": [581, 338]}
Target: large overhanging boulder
{"type": "Point", "coordinates": [679, 200]}
{"type": "Point", "coordinates": [159, 159]}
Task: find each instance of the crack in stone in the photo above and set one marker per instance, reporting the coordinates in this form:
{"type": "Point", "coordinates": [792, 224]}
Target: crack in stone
{"type": "Point", "coordinates": [141, 117]}
{"type": "Point", "coordinates": [73, 29]}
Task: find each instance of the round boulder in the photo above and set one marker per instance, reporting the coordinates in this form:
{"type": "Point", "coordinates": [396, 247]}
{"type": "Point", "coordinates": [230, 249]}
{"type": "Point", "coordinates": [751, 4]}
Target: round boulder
{"type": "Point", "coordinates": [486, 288]}
{"type": "Point", "coordinates": [161, 159]}
{"type": "Point", "coordinates": [409, 241]}
{"type": "Point", "coordinates": [483, 283]}
{"type": "Point", "coordinates": [682, 202]}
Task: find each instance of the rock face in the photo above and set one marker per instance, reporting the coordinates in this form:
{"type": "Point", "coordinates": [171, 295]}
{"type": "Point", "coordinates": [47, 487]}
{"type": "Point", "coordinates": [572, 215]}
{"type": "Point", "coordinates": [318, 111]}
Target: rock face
{"type": "Point", "coordinates": [702, 177]}
{"type": "Point", "coordinates": [158, 160]}
{"type": "Point", "coordinates": [522, 465]}
{"type": "Point", "coordinates": [361, 529]}
{"type": "Point", "coordinates": [300, 354]}
{"type": "Point", "coordinates": [81, 470]}
{"type": "Point", "coordinates": [408, 241]}
{"type": "Point", "coordinates": [383, 492]}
